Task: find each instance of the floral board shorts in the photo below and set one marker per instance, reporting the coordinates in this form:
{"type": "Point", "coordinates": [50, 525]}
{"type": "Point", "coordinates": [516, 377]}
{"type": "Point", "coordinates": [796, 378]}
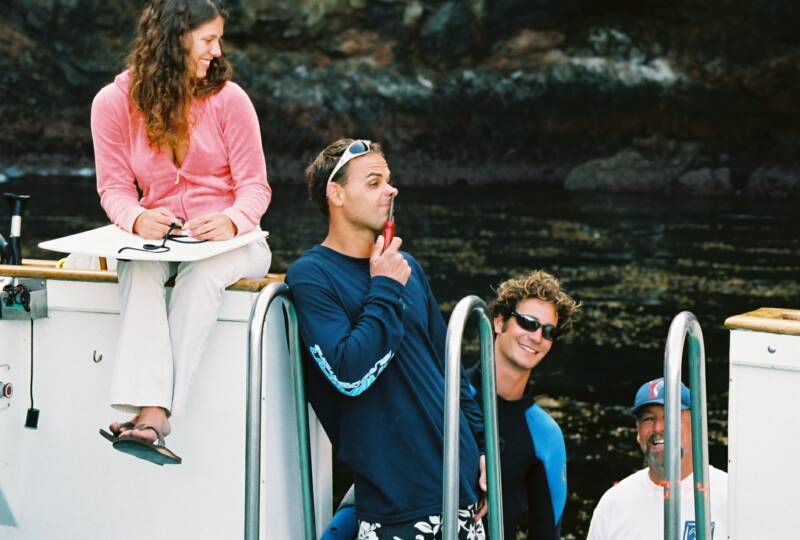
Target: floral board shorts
{"type": "Point", "coordinates": [429, 528]}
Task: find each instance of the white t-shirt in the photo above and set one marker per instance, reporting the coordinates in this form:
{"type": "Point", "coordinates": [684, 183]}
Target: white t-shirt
{"type": "Point", "coordinates": [634, 509]}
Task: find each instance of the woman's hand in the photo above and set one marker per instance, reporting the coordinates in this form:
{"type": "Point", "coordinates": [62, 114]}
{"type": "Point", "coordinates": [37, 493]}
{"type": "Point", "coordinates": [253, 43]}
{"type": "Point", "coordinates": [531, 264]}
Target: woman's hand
{"type": "Point", "coordinates": [216, 226]}
{"type": "Point", "coordinates": [153, 224]}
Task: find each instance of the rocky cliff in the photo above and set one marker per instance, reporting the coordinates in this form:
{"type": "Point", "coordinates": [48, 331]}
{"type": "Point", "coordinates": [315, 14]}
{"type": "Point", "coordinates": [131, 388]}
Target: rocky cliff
{"type": "Point", "coordinates": [622, 95]}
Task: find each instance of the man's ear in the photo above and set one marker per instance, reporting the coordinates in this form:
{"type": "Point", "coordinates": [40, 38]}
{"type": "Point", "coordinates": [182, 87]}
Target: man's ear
{"type": "Point", "coordinates": [335, 195]}
{"type": "Point", "coordinates": [498, 324]}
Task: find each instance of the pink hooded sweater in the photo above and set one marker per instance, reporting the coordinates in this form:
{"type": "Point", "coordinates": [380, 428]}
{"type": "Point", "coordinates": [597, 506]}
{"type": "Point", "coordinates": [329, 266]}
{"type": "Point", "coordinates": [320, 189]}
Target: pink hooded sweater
{"type": "Point", "coordinates": [224, 169]}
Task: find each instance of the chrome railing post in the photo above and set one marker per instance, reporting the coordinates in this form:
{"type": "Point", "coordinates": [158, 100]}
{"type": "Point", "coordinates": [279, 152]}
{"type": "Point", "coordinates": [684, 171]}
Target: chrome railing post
{"type": "Point", "coordinates": [455, 331]}
{"type": "Point", "coordinates": [255, 374]}
{"type": "Point", "coordinates": [685, 323]}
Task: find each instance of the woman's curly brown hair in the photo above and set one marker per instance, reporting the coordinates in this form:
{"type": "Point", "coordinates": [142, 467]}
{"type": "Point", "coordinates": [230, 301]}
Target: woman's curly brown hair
{"type": "Point", "coordinates": [540, 285]}
{"type": "Point", "coordinates": [162, 86]}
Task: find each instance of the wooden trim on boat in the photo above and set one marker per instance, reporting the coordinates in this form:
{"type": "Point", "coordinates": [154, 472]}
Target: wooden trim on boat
{"type": "Point", "coordinates": [44, 269]}
{"type": "Point", "coordinates": [773, 320]}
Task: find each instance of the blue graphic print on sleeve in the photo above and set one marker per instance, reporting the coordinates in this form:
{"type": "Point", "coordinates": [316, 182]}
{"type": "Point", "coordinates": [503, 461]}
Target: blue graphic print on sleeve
{"type": "Point", "coordinates": [349, 388]}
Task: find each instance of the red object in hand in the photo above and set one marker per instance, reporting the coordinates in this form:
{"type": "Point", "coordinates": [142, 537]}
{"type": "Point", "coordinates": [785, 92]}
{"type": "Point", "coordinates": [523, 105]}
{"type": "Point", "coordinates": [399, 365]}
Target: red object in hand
{"type": "Point", "coordinates": [388, 227]}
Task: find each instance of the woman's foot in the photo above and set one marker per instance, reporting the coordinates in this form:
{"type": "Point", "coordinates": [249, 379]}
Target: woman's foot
{"type": "Point", "coordinates": [153, 417]}
{"type": "Point", "coordinates": [118, 427]}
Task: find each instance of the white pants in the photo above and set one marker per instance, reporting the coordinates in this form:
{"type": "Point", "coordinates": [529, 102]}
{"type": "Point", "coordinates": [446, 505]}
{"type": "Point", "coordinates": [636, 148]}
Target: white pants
{"type": "Point", "coordinates": [160, 346]}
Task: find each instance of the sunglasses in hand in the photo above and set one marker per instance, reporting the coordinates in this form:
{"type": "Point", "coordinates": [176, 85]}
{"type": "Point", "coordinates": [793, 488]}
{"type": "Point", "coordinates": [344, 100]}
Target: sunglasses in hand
{"type": "Point", "coordinates": [163, 247]}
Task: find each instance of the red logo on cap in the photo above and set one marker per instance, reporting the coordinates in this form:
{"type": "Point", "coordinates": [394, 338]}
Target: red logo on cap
{"type": "Point", "coordinates": [655, 387]}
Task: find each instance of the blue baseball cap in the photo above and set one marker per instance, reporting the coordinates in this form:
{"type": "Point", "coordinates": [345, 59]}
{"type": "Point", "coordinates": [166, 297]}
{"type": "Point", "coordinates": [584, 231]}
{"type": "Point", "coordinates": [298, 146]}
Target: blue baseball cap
{"type": "Point", "coordinates": [653, 392]}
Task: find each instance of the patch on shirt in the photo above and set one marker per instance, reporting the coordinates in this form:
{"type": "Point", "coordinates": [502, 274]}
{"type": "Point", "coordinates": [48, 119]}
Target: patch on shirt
{"type": "Point", "coordinates": [690, 530]}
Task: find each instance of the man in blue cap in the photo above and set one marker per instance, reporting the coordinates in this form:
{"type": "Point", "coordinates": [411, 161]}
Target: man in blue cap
{"type": "Point", "coordinates": [633, 509]}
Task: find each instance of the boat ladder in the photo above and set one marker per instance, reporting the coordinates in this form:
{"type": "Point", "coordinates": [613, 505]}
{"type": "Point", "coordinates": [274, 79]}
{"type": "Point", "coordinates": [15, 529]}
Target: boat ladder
{"type": "Point", "coordinates": [255, 375]}
{"type": "Point", "coordinates": [685, 323]}
{"type": "Point", "coordinates": [455, 330]}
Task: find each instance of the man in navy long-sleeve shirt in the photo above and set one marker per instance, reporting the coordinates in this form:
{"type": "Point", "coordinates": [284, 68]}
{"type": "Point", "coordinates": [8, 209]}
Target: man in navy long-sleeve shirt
{"type": "Point", "coordinates": [374, 339]}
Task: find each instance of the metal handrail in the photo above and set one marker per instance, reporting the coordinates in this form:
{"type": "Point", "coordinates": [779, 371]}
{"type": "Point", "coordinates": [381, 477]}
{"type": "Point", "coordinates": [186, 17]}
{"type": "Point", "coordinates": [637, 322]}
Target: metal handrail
{"type": "Point", "coordinates": [685, 323]}
{"type": "Point", "coordinates": [255, 374]}
{"type": "Point", "coordinates": [455, 331]}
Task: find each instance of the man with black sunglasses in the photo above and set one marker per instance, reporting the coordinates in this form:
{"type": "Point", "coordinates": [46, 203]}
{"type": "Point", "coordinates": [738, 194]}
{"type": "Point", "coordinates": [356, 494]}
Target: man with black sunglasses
{"type": "Point", "coordinates": [529, 313]}
{"type": "Point", "coordinates": [374, 340]}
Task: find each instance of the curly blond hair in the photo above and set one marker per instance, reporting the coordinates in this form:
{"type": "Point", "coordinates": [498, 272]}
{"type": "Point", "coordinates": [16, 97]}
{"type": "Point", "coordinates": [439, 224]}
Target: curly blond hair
{"type": "Point", "coordinates": [161, 87]}
{"type": "Point", "coordinates": [541, 285]}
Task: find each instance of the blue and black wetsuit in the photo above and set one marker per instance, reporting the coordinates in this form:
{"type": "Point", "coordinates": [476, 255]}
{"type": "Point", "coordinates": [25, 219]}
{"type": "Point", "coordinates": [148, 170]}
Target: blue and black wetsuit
{"type": "Point", "coordinates": [534, 466]}
{"type": "Point", "coordinates": [375, 377]}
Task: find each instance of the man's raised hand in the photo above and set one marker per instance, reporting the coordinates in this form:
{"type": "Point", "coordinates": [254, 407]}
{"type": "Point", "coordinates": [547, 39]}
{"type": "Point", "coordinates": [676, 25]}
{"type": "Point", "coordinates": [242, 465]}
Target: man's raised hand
{"type": "Point", "coordinates": [389, 263]}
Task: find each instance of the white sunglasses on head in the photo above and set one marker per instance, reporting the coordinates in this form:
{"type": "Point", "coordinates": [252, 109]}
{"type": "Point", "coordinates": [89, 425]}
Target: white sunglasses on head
{"type": "Point", "coordinates": [354, 149]}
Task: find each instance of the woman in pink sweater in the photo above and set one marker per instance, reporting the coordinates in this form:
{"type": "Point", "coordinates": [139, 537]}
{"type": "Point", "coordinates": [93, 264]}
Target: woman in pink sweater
{"type": "Point", "coordinates": [174, 126]}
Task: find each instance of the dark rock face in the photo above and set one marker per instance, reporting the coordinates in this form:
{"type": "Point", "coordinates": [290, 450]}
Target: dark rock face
{"type": "Point", "coordinates": [650, 165]}
{"type": "Point", "coordinates": [705, 181]}
{"type": "Point", "coordinates": [654, 166]}
{"type": "Point", "coordinates": [448, 31]}
{"type": "Point", "coordinates": [774, 181]}
{"type": "Point", "coordinates": [458, 90]}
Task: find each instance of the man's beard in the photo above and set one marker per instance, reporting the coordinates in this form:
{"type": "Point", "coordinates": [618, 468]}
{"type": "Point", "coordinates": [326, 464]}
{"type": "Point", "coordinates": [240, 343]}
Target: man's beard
{"type": "Point", "coordinates": [655, 460]}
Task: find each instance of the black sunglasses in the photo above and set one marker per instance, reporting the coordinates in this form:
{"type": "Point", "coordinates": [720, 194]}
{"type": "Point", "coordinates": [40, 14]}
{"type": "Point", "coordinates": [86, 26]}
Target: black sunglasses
{"type": "Point", "coordinates": [163, 247]}
{"type": "Point", "coordinates": [532, 324]}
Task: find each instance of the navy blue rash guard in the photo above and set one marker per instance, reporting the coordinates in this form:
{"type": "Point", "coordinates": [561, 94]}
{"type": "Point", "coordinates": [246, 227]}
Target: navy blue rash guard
{"type": "Point", "coordinates": [533, 463]}
{"type": "Point", "coordinates": [375, 377]}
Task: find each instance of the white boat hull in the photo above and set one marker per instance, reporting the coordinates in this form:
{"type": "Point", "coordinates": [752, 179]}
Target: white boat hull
{"type": "Point", "coordinates": [63, 480]}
